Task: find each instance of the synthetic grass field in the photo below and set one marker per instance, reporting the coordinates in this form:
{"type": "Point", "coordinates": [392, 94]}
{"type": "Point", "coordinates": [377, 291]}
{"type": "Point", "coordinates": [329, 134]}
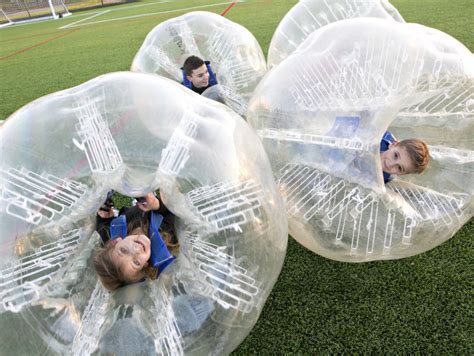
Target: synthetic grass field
{"type": "Point", "coordinates": [421, 304]}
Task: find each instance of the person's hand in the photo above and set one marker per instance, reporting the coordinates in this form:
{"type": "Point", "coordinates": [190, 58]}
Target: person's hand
{"type": "Point", "coordinates": [106, 214]}
{"type": "Point", "coordinates": [394, 143]}
{"type": "Point", "coordinates": [151, 203]}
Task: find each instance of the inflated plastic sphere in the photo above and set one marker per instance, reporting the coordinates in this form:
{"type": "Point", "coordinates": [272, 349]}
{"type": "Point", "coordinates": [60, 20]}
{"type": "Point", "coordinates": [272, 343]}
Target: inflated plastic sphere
{"type": "Point", "coordinates": [228, 97]}
{"type": "Point", "coordinates": [135, 133]}
{"type": "Point", "coordinates": [322, 114]}
{"type": "Point", "coordinates": [235, 55]}
{"type": "Point", "coordinates": [309, 15]}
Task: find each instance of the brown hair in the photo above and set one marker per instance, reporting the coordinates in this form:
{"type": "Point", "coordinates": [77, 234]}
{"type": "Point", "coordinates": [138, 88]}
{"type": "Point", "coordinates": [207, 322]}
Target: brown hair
{"type": "Point", "coordinates": [191, 63]}
{"type": "Point", "coordinates": [418, 152]}
{"type": "Point", "coordinates": [109, 272]}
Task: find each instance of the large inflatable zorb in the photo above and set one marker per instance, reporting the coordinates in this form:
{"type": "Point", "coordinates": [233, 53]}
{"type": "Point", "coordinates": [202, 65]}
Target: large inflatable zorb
{"type": "Point", "coordinates": [322, 113]}
{"type": "Point", "coordinates": [309, 15]}
{"type": "Point", "coordinates": [234, 53]}
{"type": "Point", "coordinates": [134, 133]}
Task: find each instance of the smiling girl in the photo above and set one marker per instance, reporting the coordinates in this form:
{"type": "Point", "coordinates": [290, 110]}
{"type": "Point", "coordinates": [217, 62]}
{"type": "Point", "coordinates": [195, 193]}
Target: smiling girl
{"type": "Point", "coordinates": [126, 251]}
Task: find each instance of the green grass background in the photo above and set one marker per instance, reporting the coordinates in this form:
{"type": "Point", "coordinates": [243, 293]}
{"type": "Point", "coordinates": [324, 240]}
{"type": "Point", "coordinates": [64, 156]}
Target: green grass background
{"type": "Point", "coordinates": [421, 304]}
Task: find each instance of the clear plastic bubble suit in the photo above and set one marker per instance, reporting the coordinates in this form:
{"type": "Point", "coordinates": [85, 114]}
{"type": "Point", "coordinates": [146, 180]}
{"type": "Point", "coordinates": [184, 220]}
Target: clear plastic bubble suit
{"type": "Point", "coordinates": [321, 114]}
{"type": "Point", "coordinates": [134, 133]}
{"type": "Point", "coordinates": [234, 53]}
{"type": "Point", "coordinates": [309, 15]}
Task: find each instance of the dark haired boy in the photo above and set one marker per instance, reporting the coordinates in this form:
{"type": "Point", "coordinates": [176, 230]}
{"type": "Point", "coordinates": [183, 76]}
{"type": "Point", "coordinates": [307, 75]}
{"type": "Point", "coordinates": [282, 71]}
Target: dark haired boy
{"type": "Point", "coordinates": [197, 74]}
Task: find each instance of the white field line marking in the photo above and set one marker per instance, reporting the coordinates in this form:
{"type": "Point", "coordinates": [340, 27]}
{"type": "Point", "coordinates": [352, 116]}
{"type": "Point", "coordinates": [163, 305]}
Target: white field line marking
{"type": "Point", "coordinates": [141, 5]}
{"type": "Point", "coordinates": [74, 15]}
{"type": "Point", "coordinates": [87, 18]}
{"type": "Point", "coordinates": [113, 10]}
{"type": "Point", "coordinates": [122, 8]}
{"type": "Point", "coordinates": [151, 14]}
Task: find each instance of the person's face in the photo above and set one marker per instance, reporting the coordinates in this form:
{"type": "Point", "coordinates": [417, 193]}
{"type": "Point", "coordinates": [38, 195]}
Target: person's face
{"type": "Point", "coordinates": [396, 160]}
{"type": "Point", "coordinates": [199, 77]}
{"type": "Point", "coordinates": [131, 255]}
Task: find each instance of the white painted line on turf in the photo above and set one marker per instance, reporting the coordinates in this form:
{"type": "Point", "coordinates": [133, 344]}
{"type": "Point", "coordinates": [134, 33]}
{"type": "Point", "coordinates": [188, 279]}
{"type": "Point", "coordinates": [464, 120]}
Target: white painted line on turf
{"type": "Point", "coordinates": [74, 14]}
{"type": "Point", "coordinates": [151, 14]}
{"type": "Point", "coordinates": [141, 5]}
{"type": "Point", "coordinates": [85, 19]}
{"type": "Point", "coordinates": [122, 8]}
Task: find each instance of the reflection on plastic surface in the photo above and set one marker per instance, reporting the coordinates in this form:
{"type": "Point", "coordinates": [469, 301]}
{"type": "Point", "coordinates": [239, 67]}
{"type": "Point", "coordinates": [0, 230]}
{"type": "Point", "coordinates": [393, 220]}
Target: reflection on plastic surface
{"type": "Point", "coordinates": [134, 133]}
{"type": "Point", "coordinates": [322, 113]}
{"type": "Point", "coordinates": [309, 15]}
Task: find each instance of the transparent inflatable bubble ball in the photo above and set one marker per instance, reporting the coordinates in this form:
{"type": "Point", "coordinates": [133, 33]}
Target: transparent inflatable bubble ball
{"type": "Point", "coordinates": [135, 133]}
{"type": "Point", "coordinates": [309, 15]}
{"type": "Point", "coordinates": [325, 115]}
{"type": "Point", "coordinates": [233, 52]}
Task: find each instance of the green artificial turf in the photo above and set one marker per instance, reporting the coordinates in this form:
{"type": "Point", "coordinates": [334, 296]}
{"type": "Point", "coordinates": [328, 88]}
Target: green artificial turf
{"type": "Point", "coordinates": [421, 304]}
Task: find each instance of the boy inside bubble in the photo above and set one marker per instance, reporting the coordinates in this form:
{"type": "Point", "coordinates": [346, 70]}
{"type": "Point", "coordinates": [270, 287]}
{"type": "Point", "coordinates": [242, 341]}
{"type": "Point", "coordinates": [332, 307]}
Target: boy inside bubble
{"type": "Point", "coordinates": [198, 74]}
{"type": "Point", "coordinates": [402, 157]}
{"type": "Point", "coordinates": [137, 244]}
{"type": "Point", "coordinates": [397, 158]}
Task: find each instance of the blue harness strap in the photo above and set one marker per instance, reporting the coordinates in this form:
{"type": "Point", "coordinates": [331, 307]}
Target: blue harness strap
{"type": "Point", "coordinates": [344, 126]}
{"type": "Point", "coordinates": [160, 257]}
{"type": "Point", "coordinates": [387, 139]}
{"type": "Point", "coordinates": [118, 227]}
{"type": "Point", "coordinates": [212, 77]}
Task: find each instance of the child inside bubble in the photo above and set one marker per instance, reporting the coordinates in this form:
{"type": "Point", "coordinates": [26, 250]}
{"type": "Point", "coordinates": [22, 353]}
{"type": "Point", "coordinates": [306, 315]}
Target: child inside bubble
{"type": "Point", "coordinates": [135, 245]}
{"type": "Point", "coordinates": [198, 74]}
{"type": "Point", "coordinates": [402, 157]}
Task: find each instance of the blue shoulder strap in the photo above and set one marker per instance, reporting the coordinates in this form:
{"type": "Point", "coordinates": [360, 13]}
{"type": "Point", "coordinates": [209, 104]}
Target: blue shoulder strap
{"type": "Point", "coordinates": [212, 76]}
{"type": "Point", "coordinates": [118, 227]}
{"type": "Point", "coordinates": [160, 256]}
{"type": "Point", "coordinates": [186, 82]}
{"type": "Point", "coordinates": [387, 139]}
{"type": "Point", "coordinates": [344, 126]}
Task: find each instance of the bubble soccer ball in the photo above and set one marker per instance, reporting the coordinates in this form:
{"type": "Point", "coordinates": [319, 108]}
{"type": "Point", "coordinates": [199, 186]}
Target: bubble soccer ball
{"type": "Point", "coordinates": [234, 53]}
{"type": "Point", "coordinates": [309, 15]}
{"type": "Point", "coordinates": [135, 133]}
{"type": "Point", "coordinates": [322, 113]}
